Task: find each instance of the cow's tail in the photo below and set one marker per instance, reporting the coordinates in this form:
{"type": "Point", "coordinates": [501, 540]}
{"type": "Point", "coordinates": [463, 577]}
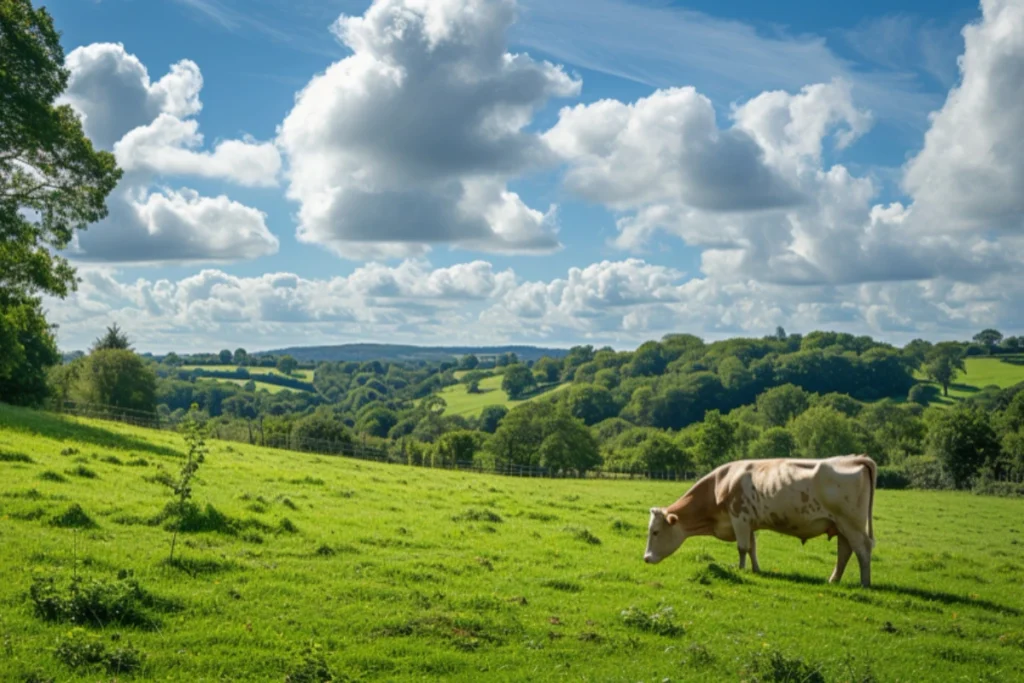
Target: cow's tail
{"type": "Point", "coordinates": [873, 471]}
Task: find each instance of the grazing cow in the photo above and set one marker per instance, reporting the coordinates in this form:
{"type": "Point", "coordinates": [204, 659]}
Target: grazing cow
{"type": "Point", "coordinates": [802, 498]}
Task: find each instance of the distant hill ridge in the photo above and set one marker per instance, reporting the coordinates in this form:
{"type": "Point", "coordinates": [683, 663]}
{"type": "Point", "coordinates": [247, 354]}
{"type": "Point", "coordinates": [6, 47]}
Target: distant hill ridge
{"type": "Point", "coordinates": [366, 352]}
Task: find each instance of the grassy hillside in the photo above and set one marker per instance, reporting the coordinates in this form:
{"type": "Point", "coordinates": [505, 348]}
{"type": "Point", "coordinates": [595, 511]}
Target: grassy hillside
{"type": "Point", "coordinates": [417, 574]}
{"type": "Point", "coordinates": [982, 372]}
{"type": "Point", "coordinates": [461, 402]}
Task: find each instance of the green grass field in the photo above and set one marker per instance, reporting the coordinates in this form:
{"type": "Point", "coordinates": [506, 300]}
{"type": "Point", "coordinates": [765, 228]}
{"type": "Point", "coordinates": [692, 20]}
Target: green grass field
{"type": "Point", "coordinates": [414, 574]}
{"type": "Point", "coordinates": [982, 372]}
{"type": "Point", "coordinates": [461, 402]}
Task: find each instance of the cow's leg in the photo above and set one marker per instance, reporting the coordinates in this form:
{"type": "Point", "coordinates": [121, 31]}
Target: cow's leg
{"type": "Point", "coordinates": [744, 534]}
{"type": "Point", "coordinates": [862, 548]}
{"type": "Point", "coordinates": [754, 566]}
{"type": "Point", "coordinates": [841, 559]}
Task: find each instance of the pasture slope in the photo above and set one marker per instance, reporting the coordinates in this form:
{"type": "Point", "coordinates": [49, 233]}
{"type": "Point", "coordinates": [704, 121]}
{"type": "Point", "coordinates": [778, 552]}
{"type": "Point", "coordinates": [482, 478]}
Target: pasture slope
{"type": "Point", "coordinates": [1000, 371]}
{"type": "Point", "coordinates": [403, 573]}
{"type": "Point", "coordinates": [461, 402]}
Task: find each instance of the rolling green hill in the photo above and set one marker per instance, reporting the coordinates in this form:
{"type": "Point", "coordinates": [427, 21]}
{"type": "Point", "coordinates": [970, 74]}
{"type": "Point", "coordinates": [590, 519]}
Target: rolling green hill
{"type": "Point", "coordinates": [402, 573]}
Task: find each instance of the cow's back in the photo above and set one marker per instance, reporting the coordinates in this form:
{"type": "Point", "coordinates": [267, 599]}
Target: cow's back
{"type": "Point", "coordinates": [803, 498]}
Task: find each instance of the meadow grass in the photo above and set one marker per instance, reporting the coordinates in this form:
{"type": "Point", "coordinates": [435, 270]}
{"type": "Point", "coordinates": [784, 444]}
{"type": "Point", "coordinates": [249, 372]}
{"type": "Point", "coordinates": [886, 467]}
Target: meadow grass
{"type": "Point", "coordinates": [461, 402]}
{"type": "Point", "coordinates": [402, 573]}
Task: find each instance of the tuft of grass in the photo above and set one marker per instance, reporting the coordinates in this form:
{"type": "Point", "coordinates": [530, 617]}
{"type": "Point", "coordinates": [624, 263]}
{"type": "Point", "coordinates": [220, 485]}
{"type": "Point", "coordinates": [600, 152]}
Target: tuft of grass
{"type": "Point", "coordinates": [660, 621]}
{"type": "Point", "coordinates": [776, 667]}
{"type": "Point", "coordinates": [137, 462]}
{"type": "Point", "coordinates": [472, 515]}
{"type": "Point", "coordinates": [82, 471]}
{"type": "Point", "coordinates": [111, 460]}
{"type": "Point", "coordinates": [50, 475]}
{"type": "Point", "coordinates": [74, 518]}
{"type": "Point", "coordinates": [583, 535]}
{"type": "Point", "coordinates": [6, 456]}
{"type": "Point", "coordinates": [288, 526]}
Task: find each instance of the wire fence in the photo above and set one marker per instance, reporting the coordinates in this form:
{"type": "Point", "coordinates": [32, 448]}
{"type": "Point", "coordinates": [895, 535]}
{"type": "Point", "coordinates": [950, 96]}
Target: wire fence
{"type": "Point", "coordinates": [398, 452]}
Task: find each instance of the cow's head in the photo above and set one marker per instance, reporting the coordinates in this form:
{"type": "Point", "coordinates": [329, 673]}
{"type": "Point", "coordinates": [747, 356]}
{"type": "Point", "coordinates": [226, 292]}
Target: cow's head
{"type": "Point", "coordinates": [664, 536]}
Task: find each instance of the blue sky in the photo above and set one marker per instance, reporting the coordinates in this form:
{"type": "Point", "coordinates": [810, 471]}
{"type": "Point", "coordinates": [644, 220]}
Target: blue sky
{"type": "Point", "coordinates": [780, 211]}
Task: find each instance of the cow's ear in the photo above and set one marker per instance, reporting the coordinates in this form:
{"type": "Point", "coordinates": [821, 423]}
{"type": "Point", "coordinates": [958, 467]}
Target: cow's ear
{"type": "Point", "coordinates": [671, 518]}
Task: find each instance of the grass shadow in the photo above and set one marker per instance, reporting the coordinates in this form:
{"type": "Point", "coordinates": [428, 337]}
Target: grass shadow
{"type": "Point", "coordinates": [905, 591]}
{"type": "Point", "coordinates": [61, 427]}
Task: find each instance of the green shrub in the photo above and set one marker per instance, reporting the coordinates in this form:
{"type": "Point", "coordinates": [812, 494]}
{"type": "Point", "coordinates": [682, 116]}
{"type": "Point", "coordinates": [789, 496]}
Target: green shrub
{"type": "Point", "coordinates": [893, 477]}
{"type": "Point", "coordinates": [98, 603]}
{"type": "Point", "coordinates": [79, 649]}
{"type": "Point", "coordinates": [927, 473]}
{"type": "Point", "coordinates": [661, 622]}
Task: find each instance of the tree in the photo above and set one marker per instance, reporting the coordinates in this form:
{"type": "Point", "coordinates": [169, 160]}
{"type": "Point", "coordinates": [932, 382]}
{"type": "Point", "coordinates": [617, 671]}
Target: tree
{"type": "Point", "coordinates": [714, 440]}
{"type": "Point", "coordinates": [469, 362]}
{"type": "Point", "coordinates": [225, 356]}
{"type": "Point", "coordinates": [589, 403]}
{"type": "Point", "coordinates": [112, 339]}
{"type": "Point", "coordinates": [27, 350]}
{"type": "Point", "coordinates": [547, 370]}
{"type": "Point", "coordinates": [989, 338]}
{"type": "Point", "coordinates": [321, 431]}
{"type": "Point", "coordinates": [780, 333]}
{"type": "Point", "coordinates": [775, 442]}
{"type": "Point", "coordinates": [916, 352]}
{"type": "Point", "coordinates": [172, 359]}
{"type": "Point", "coordinates": [1013, 344]}
{"type": "Point", "coordinates": [568, 446]}
{"type": "Point", "coordinates": [240, 357]}
{"type": "Point", "coordinates": [455, 447]}
{"type": "Point", "coordinates": [781, 404]}
{"type": "Point", "coordinates": [287, 364]}
{"type": "Point", "coordinates": [195, 440]}
{"type": "Point", "coordinates": [517, 381]}
{"type": "Point", "coordinates": [491, 417]}
{"type": "Point", "coordinates": [963, 441]}
{"type": "Point", "coordinates": [824, 432]}
{"type": "Point", "coordinates": [118, 378]}
{"type": "Point", "coordinates": [944, 364]}
{"type": "Point", "coordinates": [377, 421]}
{"type": "Point", "coordinates": [52, 181]}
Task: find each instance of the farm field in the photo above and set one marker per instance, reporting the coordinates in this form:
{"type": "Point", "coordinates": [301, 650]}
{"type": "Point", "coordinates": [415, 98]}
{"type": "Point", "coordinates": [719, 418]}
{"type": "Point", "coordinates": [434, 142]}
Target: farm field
{"type": "Point", "coordinates": [402, 573]}
{"type": "Point", "coordinates": [305, 375]}
{"type": "Point", "coordinates": [461, 402]}
{"type": "Point", "coordinates": [981, 372]}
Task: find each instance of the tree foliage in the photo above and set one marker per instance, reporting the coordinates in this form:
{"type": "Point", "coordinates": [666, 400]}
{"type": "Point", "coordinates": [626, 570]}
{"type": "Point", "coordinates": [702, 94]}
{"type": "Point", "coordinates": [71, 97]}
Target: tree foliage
{"type": "Point", "coordinates": [117, 378]}
{"type": "Point", "coordinates": [113, 339]}
{"type": "Point", "coordinates": [963, 440]}
{"type": "Point", "coordinates": [52, 181]}
{"type": "Point", "coordinates": [517, 381]}
{"type": "Point", "coordinates": [943, 364]}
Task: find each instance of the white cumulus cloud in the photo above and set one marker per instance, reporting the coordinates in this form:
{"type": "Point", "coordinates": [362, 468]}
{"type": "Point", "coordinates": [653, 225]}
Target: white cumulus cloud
{"type": "Point", "coordinates": [147, 125]}
{"type": "Point", "coordinates": [409, 141]}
